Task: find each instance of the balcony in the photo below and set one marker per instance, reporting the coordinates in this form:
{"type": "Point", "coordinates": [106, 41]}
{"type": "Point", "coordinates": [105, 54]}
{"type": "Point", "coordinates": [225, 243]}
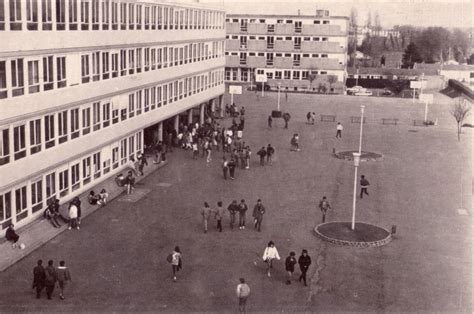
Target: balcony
{"type": "Point", "coordinates": [320, 30]}
{"type": "Point", "coordinates": [232, 61]}
{"type": "Point", "coordinates": [256, 62]}
{"type": "Point", "coordinates": [259, 29]}
{"type": "Point", "coordinates": [321, 64]}
{"type": "Point", "coordinates": [257, 45]}
{"type": "Point", "coordinates": [284, 29]}
{"type": "Point", "coordinates": [284, 45]}
{"type": "Point", "coordinates": [321, 47]}
{"type": "Point", "coordinates": [283, 63]}
{"type": "Point", "coordinates": [232, 28]}
{"type": "Point", "coordinates": [232, 44]}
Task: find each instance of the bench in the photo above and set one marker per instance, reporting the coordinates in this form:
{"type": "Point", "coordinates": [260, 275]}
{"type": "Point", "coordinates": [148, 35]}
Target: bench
{"type": "Point", "coordinates": [419, 123]}
{"type": "Point", "coordinates": [391, 121]}
{"type": "Point", "coordinates": [327, 118]}
{"type": "Point", "coordinates": [357, 119]}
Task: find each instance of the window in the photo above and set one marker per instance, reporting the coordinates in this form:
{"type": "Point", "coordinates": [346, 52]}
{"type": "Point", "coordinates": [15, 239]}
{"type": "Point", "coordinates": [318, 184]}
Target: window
{"type": "Point", "coordinates": [315, 55]}
{"type": "Point", "coordinates": [304, 75]}
{"type": "Point", "coordinates": [105, 65]}
{"type": "Point", "coordinates": [84, 15]}
{"type": "Point", "coordinates": [139, 102]}
{"type": "Point", "coordinates": [114, 14]}
{"type": "Point", "coordinates": [50, 180]}
{"type": "Point", "coordinates": [48, 79]}
{"type": "Point", "coordinates": [49, 136]}
{"type": "Point", "coordinates": [21, 203]}
{"type": "Point", "coordinates": [86, 121]}
{"type": "Point", "coordinates": [96, 66]}
{"type": "Point", "coordinates": [115, 160]}
{"type": "Point", "coordinates": [131, 105]}
{"type": "Point", "coordinates": [115, 116]}
{"type": "Point", "coordinates": [35, 136]}
{"type": "Point", "coordinates": [19, 143]}
{"type": "Point", "coordinates": [296, 75]}
{"type": "Point", "coordinates": [131, 16]}
{"type": "Point", "coordinates": [147, 17]}
{"type": "Point", "coordinates": [96, 116]}
{"type": "Point", "coordinates": [33, 77]}
{"type": "Point", "coordinates": [165, 94]}
{"type": "Point", "coordinates": [131, 61]}
{"type": "Point", "coordinates": [3, 80]}
{"type": "Point", "coordinates": [105, 14]}
{"type": "Point", "coordinates": [139, 60]}
{"type": "Point", "coordinates": [153, 97]}
{"type": "Point", "coordinates": [2, 27]}
{"type": "Point", "coordinates": [123, 16]}
{"type": "Point", "coordinates": [114, 64]}
{"type": "Point", "coordinates": [63, 183]}
{"type": "Point", "coordinates": [106, 114]}
{"type": "Point", "coordinates": [324, 39]}
{"type": "Point", "coordinates": [147, 99]}
{"type": "Point", "coordinates": [153, 17]}
{"type": "Point", "coordinates": [131, 147]}
{"type": "Point", "coordinates": [5, 206]}
{"type": "Point", "coordinates": [72, 15]}
{"type": "Point", "coordinates": [123, 151]}
{"type": "Point", "coordinates": [287, 75]}
{"type": "Point", "coordinates": [36, 196]}
{"type": "Point", "coordinates": [165, 57]}
{"type": "Point", "coordinates": [4, 147]}
{"type": "Point", "coordinates": [96, 165]}
{"type": "Point", "coordinates": [31, 14]}
{"type": "Point", "coordinates": [153, 59]}
{"type": "Point", "coordinates": [123, 62]}
{"type": "Point", "coordinates": [158, 96]}
{"type": "Point", "coordinates": [47, 15]}
{"type": "Point", "coordinates": [95, 15]}
{"type": "Point", "coordinates": [75, 177]}
{"type": "Point", "coordinates": [325, 22]}
{"type": "Point", "coordinates": [159, 57]}
{"type": "Point", "coordinates": [85, 74]}
{"type": "Point", "coordinates": [62, 127]}
{"type": "Point", "coordinates": [139, 16]}
{"type": "Point", "coordinates": [316, 22]}
{"type": "Point", "coordinates": [17, 77]}
{"type": "Point", "coordinates": [323, 55]}
{"type": "Point", "coordinates": [86, 170]}
{"type": "Point", "coordinates": [147, 59]}
{"type": "Point", "coordinates": [160, 17]}
{"type": "Point", "coordinates": [15, 15]}
{"type": "Point", "coordinates": [74, 123]}
{"type": "Point", "coordinates": [61, 71]}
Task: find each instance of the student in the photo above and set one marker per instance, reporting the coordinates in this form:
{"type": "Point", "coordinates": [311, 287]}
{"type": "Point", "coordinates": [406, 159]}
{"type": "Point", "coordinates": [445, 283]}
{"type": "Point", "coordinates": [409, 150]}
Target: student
{"type": "Point", "coordinates": [11, 235]}
{"type": "Point", "coordinates": [63, 276]}
{"type": "Point", "coordinates": [129, 182]}
{"type": "Point", "coordinates": [258, 212]}
{"type": "Point", "coordinates": [49, 214]}
{"type": "Point", "coordinates": [205, 213]}
{"type": "Point", "coordinates": [73, 216]}
{"type": "Point", "coordinates": [242, 211]}
{"type": "Point", "coordinates": [219, 214]}
{"type": "Point", "coordinates": [269, 255]}
{"type": "Point", "coordinates": [364, 184]}
{"type": "Point", "coordinates": [324, 206]}
{"type": "Point", "coordinates": [233, 208]}
{"type": "Point", "coordinates": [38, 278]}
{"type": "Point", "coordinates": [270, 120]}
{"type": "Point", "coordinates": [290, 263]}
{"type": "Point", "coordinates": [308, 117]}
{"type": "Point", "coordinates": [225, 167]}
{"type": "Point", "coordinates": [339, 129]}
{"type": "Point", "coordinates": [142, 162]}
{"type": "Point", "coordinates": [176, 263]}
{"type": "Point", "coordinates": [243, 292]}
{"type": "Point", "coordinates": [270, 152]}
{"type": "Point", "coordinates": [92, 198]}
{"type": "Point", "coordinates": [103, 197]}
{"type": "Point", "coordinates": [262, 153]}
{"type": "Point", "coordinates": [304, 261]}
{"type": "Point", "coordinates": [51, 277]}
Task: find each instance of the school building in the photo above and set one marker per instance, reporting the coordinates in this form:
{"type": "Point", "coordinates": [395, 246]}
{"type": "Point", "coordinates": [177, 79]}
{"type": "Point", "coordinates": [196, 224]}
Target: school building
{"type": "Point", "coordinates": [82, 83]}
{"type": "Point", "coordinates": [297, 52]}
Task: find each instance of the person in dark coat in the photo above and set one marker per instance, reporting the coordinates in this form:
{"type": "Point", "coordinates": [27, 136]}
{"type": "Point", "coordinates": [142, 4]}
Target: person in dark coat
{"type": "Point", "coordinates": [242, 210]}
{"type": "Point", "coordinates": [286, 118]}
{"type": "Point", "coordinates": [232, 165]}
{"type": "Point", "coordinates": [262, 153]}
{"type": "Point", "coordinates": [258, 212]}
{"type": "Point", "coordinates": [51, 277]}
{"type": "Point", "coordinates": [38, 278]}
{"type": "Point", "coordinates": [63, 276]}
{"type": "Point", "coordinates": [270, 120]}
{"type": "Point", "coordinates": [290, 263]}
{"type": "Point", "coordinates": [233, 209]}
{"type": "Point", "coordinates": [364, 184]}
{"type": "Point", "coordinates": [304, 261]}
{"type": "Point", "coordinates": [11, 235]}
{"type": "Point", "coordinates": [270, 152]}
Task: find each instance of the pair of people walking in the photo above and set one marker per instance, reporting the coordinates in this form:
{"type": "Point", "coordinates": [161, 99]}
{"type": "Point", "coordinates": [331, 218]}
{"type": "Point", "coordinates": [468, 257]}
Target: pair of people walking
{"type": "Point", "coordinates": [258, 212]}
{"type": "Point", "coordinates": [47, 278]}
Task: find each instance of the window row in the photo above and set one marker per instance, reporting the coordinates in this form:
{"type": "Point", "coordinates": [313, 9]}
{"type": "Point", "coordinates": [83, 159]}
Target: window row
{"type": "Point", "coordinates": [46, 15]}
{"type": "Point", "coordinates": [37, 74]}
{"type": "Point", "coordinates": [45, 132]}
{"type": "Point", "coordinates": [244, 38]}
{"type": "Point", "coordinates": [245, 21]}
{"type": "Point", "coordinates": [270, 55]}
{"type": "Point", "coordinates": [231, 74]}
{"type": "Point", "coordinates": [31, 197]}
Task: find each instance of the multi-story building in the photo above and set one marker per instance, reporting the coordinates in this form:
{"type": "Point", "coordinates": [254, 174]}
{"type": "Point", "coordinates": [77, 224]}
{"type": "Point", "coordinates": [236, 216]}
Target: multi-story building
{"type": "Point", "coordinates": [299, 52]}
{"type": "Point", "coordinates": [85, 85]}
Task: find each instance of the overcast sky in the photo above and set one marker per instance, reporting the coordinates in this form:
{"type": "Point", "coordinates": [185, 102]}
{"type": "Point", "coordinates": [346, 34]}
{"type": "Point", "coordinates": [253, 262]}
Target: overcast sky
{"type": "Point", "coordinates": [452, 13]}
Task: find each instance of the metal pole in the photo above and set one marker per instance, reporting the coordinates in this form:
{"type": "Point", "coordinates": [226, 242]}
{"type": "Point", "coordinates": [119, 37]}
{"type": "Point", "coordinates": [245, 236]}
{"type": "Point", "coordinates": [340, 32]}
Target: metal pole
{"type": "Point", "coordinates": [263, 87]}
{"type": "Point", "coordinates": [231, 99]}
{"type": "Point", "coordinates": [279, 96]}
{"type": "Point", "coordinates": [421, 87]}
{"type": "Point", "coordinates": [426, 111]}
{"type": "Point", "coordinates": [354, 199]}
{"type": "Point", "coordinates": [361, 127]}
{"type": "Point", "coordinates": [357, 78]}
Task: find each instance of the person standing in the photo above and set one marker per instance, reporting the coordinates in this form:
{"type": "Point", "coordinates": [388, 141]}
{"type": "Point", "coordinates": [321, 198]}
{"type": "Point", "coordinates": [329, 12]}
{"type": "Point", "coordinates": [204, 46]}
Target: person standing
{"type": "Point", "coordinates": [248, 152]}
{"type": "Point", "coordinates": [231, 164]}
{"type": "Point", "coordinates": [308, 117]}
{"type": "Point", "coordinates": [269, 255]}
{"type": "Point", "coordinates": [270, 120]}
{"type": "Point", "coordinates": [258, 212]}
{"type": "Point", "coordinates": [313, 117]}
{"type": "Point", "coordinates": [233, 208]}
{"type": "Point", "coordinates": [77, 202]}
{"type": "Point", "coordinates": [262, 153]}
{"type": "Point", "coordinates": [324, 206]}
{"type": "Point", "coordinates": [286, 117]}
{"type": "Point", "coordinates": [270, 152]}
{"type": "Point", "coordinates": [11, 235]}
{"type": "Point", "coordinates": [63, 277]}
{"type": "Point", "coordinates": [364, 184]}
{"type": "Point", "coordinates": [243, 292]}
{"type": "Point", "coordinates": [339, 129]}
{"type": "Point", "coordinates": [225, 167]}
{"type": "Point", "coordinates": [51, 277]}
{"type": "Point", "coordinates": [304, 261]}
{"type": "Point", "coordinates": [73, 216]}
{"type": "Point", "coordinates": [38, 278]}
{"type": "Point", "coordinates": [290, 263]}
{"type": "Point", "coordinates": [219, 215]}
{"type": "Point", "coordinates": [242, 210]}
{"type": "Point", "coordinates": [205, 213]}
{"type": "Point", "coordinates": [129, 182]}
{"type": "Point", "coordinates": [176, 263]}
{"type": "Point", "coordinates": [142, 162]}
{"type": "Point", "coordinates": [295, 146]}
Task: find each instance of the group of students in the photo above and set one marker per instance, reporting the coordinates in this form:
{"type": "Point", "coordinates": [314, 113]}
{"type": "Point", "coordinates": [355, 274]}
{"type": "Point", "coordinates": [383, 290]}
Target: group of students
{"type": "Point", "coordinates": [266, 152]}
{"type": "Point", "coordinates": [47, 277]}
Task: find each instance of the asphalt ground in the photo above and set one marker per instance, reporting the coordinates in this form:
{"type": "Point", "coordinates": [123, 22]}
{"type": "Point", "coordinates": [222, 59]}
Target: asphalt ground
{"type": "Point", "coordinates": [118, 258]}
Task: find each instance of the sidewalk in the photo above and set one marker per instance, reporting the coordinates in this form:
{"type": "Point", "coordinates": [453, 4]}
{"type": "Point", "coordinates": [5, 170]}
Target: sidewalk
{"type": "Point", "coordinates": [40, 231]}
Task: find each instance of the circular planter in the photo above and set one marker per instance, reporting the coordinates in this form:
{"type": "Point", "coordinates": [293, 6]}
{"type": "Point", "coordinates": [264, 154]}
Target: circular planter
{"type": "Point", "coordinates": [365, 156]}
{"type": "Point", "coordinates": [364, 235]}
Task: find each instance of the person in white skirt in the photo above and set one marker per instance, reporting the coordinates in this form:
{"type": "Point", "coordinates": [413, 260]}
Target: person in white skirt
{"type": "Point", "coordinates": [269, 255]}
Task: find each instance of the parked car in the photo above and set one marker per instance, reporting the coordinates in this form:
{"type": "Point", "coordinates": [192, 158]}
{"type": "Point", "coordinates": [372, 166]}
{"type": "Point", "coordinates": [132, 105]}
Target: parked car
{"type": "Point", "coordinates": [387, 92]}
{"type": "Point", "coordinates": [354, 89]}
{"type": "Point", "coordinates": [364, 92]}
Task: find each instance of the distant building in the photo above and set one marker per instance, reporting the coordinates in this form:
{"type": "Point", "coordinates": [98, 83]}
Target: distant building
{"type": "Point", "coordinates": [299, 52]}
{"type": "Point", "coordinates": [362, 32]}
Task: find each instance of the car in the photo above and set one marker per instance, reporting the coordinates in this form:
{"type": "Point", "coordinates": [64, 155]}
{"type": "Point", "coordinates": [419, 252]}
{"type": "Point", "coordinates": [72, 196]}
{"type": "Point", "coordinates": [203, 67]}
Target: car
{"type": "Point", "coordinates": [364, 92]}
{"type": "Point", "coordinates": [387, 92]}
{"type": "Point", "coordinates": [354, 89]}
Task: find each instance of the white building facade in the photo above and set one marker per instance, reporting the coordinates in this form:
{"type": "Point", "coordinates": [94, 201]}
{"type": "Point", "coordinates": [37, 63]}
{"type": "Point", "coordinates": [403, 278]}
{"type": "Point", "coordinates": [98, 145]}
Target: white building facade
{"type": "Point", "coordinates": [81, 80]}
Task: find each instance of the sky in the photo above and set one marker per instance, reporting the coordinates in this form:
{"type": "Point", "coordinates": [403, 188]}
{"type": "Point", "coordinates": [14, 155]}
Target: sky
{"type": "Point", "coordinates": [447, 13]}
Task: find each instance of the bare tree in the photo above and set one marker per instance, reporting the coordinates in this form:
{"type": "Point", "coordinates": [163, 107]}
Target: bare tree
{"type": "Point", "coordinates": [311, 77]}
{"type": "Point", "coordinates": [460, 111]}
{"type": "Point", "coordinates": [331, 80]}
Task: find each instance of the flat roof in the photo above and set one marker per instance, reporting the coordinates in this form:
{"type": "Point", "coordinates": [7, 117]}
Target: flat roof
{"type": "Point", "coordinates": [277, 16]}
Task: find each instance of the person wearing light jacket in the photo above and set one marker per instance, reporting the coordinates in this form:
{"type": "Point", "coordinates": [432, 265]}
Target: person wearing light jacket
{"type": "Point", "coordinates": [269, 255]}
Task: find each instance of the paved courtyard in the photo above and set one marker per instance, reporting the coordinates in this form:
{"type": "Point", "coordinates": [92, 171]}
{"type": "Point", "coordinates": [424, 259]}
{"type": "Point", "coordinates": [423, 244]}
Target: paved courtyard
{"type": "Point", "coordinates": [118, 258]}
